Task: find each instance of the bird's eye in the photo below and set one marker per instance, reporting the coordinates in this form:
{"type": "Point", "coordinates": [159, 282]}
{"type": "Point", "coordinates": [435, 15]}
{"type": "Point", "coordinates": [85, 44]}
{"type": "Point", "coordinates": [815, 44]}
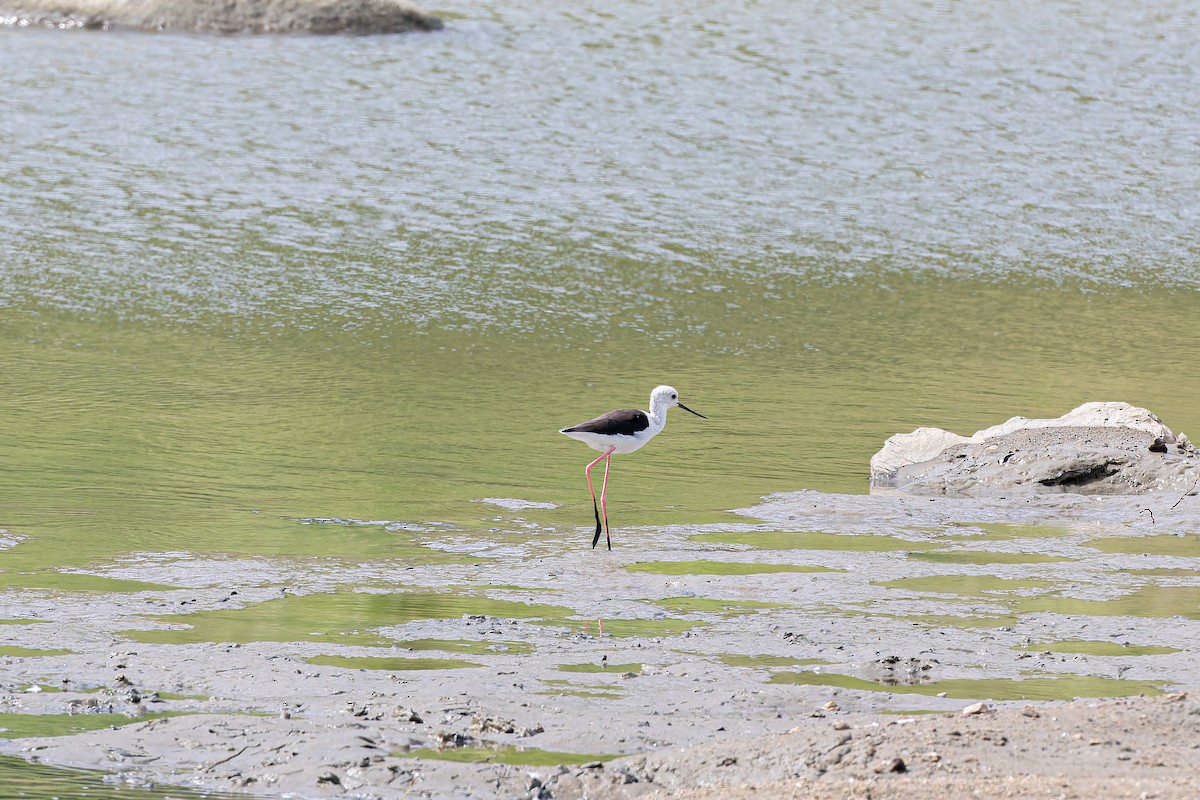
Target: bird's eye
{"type": "Point", "coordinates": [674, 397]}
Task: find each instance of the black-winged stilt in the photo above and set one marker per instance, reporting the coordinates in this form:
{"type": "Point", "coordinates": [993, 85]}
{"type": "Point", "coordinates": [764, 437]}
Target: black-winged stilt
{"type": "Point", "coordinates": [619, 432]}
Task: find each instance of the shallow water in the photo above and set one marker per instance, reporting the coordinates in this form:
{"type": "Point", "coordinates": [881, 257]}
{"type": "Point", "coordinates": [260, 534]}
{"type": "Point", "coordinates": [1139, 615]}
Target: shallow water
{"type": "Point", "coordinates": [1055, 688]}
{"type": "Point", "coordinates": [26, 781]}
{"type": "Point", "coordinates": [228, 311]}
{"type": "Point", "coordinates": [1099, 648]}
{"type": "Point", "coordinates": [342, 618]}
{"type": "Point", "coordinates": [516, 756]}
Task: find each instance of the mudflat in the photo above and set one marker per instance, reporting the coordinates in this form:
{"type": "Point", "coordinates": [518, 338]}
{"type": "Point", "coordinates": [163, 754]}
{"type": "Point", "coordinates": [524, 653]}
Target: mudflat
{"type": "Point", "coordinates": [825, 646]}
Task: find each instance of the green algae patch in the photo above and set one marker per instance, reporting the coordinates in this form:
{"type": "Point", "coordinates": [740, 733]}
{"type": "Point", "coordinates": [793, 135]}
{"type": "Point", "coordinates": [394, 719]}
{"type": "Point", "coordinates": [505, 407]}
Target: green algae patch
{"type": "Point", "coordinates": [33, 781]}
{"type": "Point", "coordinates": [177, 696]}
{"type": "Point", "coordinates": [390, 664]}
{"type": "Point", "coordinates": [619, 669]}
{"type": "Point", "coordinates": [719, 568]}
{"type": "Point", "coordinates": [1163, 572]}
{"type": "Point", "coordinates": [19, 726]}
{"type": "Point", "coordinates": [31, 652]}
{"type": "Point", "coordinates": [960, 620]}
{"type": "Point", "coordinates": [1148, 601]}
{"type": "Point", "coordinates": [594, 694]}
{"type": "Point", "coordinates": [768, 661]}
{"type": "Point", "coordinates": [1007, 532]}
{"type": "Point", "coordinates": [45, 688]}
{"type": "Point", "coordinates": [693, 605]}
{"type": "Point", "coordinates": [344, 617]}
{"type": "Point", "coordinates": [513, 756]}
{"type": "Point", "coordinates": [566, 687]}
{"type": "Point", "coordinates": [964, 584]}
{"type": "Point", "coordinates": [24, 622]}
{"type": "Point", "coordinates": [648, 628]}
{"type": "Point", "coordinates": [1064, 688]}
{"type": "Point", "coordinates": [1098, 648]}
{"type": "Point", "coordinates": [53, 580]}
{"type": "Point", "coordinates": [476, 648]}
{"type": "Point", "coordinates": [1186, 546]}
{"type": "Point", "coordinates": [504, 587]}
{"type": "Point", "coordinates": [815, 540]}
{"type": "Point", "coordinates": [336, 538]}
{"type": "Point", "coordinates": [983, 557]}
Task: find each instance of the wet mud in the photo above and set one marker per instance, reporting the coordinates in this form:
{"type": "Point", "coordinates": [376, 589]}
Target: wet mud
{"type": "Point", "coordinates": [528, 666]}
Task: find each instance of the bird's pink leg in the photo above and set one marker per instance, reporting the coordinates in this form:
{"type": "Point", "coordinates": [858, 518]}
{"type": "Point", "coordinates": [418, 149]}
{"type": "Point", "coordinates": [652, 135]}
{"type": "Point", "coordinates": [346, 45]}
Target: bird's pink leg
{"type": "Point", "coordinates": [588, 472]}
{"type": "Point", "coordinates": [604, 498]}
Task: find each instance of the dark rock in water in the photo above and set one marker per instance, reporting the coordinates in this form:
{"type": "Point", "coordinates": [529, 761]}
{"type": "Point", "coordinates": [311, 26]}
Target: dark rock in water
{"type": "Point", "coordinates": [234, 16]}
{"type": "Point", "coordinates": [1099, 448]}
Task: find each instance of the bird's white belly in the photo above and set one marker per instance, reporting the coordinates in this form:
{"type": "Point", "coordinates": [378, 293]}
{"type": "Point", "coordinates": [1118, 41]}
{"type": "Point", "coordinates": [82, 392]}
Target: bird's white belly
{"type": "Point", "coordinates": [624, 444]}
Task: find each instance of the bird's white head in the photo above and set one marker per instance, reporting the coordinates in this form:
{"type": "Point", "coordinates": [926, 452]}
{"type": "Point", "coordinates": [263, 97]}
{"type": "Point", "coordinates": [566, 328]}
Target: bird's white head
{"type": "Point", "coordinates": [664, 397]}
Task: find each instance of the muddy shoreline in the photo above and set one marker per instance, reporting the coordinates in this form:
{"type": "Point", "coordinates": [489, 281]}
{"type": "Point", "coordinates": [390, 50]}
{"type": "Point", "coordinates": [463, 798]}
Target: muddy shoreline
{"type": "Point", "coordinates": [731, 655]}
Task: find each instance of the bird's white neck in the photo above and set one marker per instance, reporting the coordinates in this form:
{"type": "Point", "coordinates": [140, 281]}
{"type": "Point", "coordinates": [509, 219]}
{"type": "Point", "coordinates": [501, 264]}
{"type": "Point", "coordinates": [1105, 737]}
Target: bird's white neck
{"type": "Point", "coordinates": [658, 413]}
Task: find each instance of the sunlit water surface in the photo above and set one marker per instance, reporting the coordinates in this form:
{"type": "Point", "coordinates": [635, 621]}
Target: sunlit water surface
{"type": "Point", "coordinates": [249, 281]}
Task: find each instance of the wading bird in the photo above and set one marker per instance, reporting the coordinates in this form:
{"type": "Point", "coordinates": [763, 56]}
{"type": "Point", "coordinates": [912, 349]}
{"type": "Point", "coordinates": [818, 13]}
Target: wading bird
{"type": "Point", "coordinates": [619, 432]}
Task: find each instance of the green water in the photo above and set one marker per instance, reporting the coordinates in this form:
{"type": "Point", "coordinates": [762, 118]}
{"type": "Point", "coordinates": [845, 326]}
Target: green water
{"type": "Point", "coordinates": [602, 667]}
{"type": "Point", "coordinates": [1163, 545]}
{"type": "Point", "coordinates": [1151, 600]}
{"type": "Point", "coordinates": [14, 726]}
{"type": "Point", "coordinates": [516, 756]}
{"type": "Point", "coordinates": [25, 781]}
{"type": "Point", "coordinates": [1146, 601]}
{"type": "Point", "coordinates": [395, 664]}
{"type": "Point", "coordinates": [1170, 572]}
{"type": "Point", "coordinates": [467, 646]}
{"type": "Point", "coordinates": [815, 540]}
{"type": "Point", "coordinates": [349, 618]}
{"type": "Point", "coordinates": [1099, 648]}
{"type": "Point", "coordinates": [702, 567]}
{"type": "Point", "coordinates": [571, 689]}
{"type": "Point", "coordinates": [29, 652]}
{"type": "Point", "coordinates": [1063, 688]}
{"type": "Point", "coordinates": [978, 585]}
{"type": "Point", "coordinates": [224, 314]}
{"type": "Point", "coordinates": [630, 628]}
{"type": "Point", "coordinates": [985, 557]}
{"type": "Point", "coordinates": [1007, 531]}
{"type": "Point", "coordinates": [152, 438]}
{"type": "Point", "coordinates": [52, 579]}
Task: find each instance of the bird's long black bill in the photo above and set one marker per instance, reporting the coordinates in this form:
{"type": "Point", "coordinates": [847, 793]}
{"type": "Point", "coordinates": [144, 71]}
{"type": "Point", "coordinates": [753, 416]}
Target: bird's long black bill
{"type": "Point", "coordinates": [697, 413]}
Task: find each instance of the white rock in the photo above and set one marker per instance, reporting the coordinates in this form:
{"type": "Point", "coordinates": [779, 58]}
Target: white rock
{"type": "Point", "coordinates": [924, 444]}
{"type": "Point", "coordinates": [911, 448]}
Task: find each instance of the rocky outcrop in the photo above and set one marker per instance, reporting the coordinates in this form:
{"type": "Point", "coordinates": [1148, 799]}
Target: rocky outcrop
{"type": "Point", "coordinates": [228, 17]}
{"type": "Point", "coordinates": [1098, 448]}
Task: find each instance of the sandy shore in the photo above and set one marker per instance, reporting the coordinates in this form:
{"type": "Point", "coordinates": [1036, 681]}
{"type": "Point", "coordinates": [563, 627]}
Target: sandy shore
{"type": "Point", "coordinates": [843, 673]}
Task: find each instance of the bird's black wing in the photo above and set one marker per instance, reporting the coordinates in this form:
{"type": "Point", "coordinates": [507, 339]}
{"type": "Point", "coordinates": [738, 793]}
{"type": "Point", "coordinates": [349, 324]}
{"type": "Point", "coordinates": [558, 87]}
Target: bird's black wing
{"type": "Point", "coordinates": [622, 422]}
